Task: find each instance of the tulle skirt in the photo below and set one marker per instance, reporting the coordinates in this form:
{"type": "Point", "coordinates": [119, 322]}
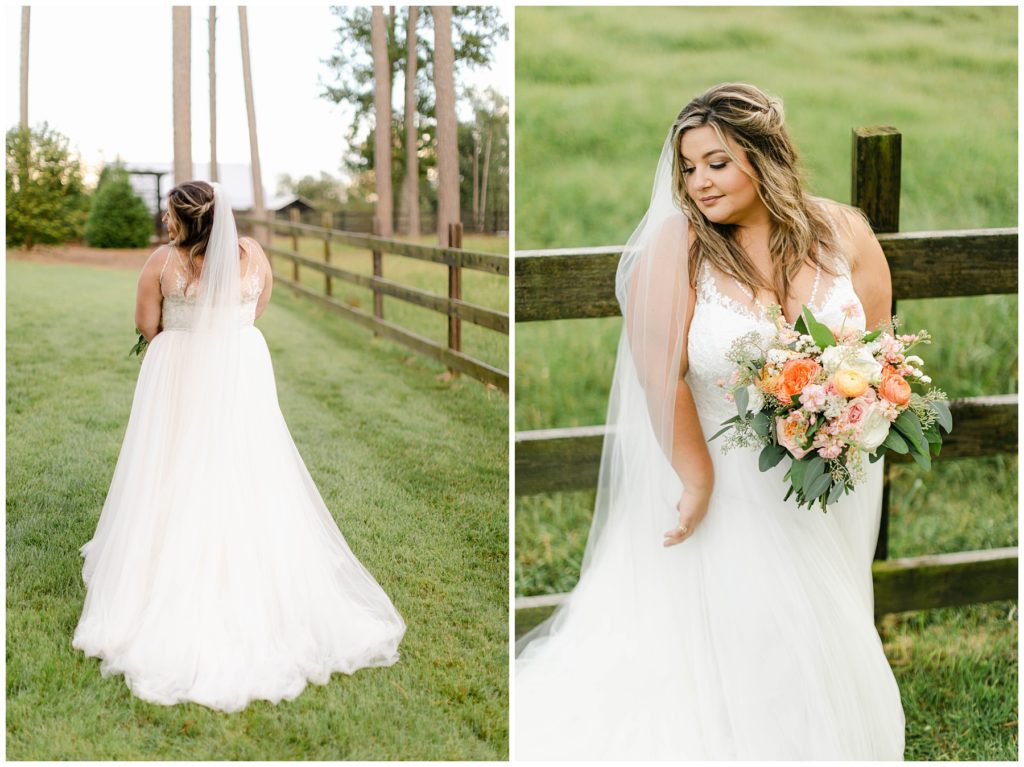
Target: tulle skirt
{"type": "Point", "coordinates": [216, 573]}
{"type": "Point", "coordinates": [752, 640]}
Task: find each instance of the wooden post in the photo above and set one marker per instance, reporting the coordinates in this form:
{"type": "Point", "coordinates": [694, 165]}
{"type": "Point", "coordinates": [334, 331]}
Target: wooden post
{"type": "Point", "coordinates": [328, 282]}
{"type": "Point", "coordinates": [378, 271]}
{"type": "Point", "coordinates": [293, 214]}
{"type": "Point", "coordinates": [875, 189]}
{"type": "Point", "coordinates": [454, 292]}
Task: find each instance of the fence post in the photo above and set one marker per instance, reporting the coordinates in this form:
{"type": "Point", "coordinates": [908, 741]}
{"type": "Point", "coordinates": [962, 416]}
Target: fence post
{"type": "Point", "coordinates": [328, 281]}
{"type": "Point", "coordinates": [293, 214]}
{"type": "Point", "coordinates": [454, 292]}
{"type": "Point", "coordinates": [875, 189]}
{"type": "Point", "coordinates": [378, 271]}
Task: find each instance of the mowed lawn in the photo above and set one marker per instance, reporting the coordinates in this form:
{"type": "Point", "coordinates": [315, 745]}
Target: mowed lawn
{"type": "Point", "coordinates": [596, 91]}
{"type": "Point", "coordinates": [413, 468]}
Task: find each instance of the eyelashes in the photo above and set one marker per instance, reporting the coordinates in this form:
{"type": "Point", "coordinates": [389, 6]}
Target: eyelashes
{"type": "Point", "coordinates": [713, 166]}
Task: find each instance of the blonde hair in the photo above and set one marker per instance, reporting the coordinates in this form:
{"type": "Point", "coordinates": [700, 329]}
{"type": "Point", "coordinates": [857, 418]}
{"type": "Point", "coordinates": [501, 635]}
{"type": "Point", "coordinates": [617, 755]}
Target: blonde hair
{"type": "Point", "coordinates": [191, 206]}
{"type": "Point", "coordinates": [801, 231]}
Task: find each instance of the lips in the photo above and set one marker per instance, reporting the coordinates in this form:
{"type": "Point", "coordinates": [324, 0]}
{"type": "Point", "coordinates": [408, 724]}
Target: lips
{"type": "Point", "coordinates": [707, 200]}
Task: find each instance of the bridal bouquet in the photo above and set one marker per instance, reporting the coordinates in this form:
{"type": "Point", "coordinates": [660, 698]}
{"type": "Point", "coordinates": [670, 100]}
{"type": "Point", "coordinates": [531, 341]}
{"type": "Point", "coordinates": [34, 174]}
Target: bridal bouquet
{"type": "Point", "coordinates": [140, 346]}
{"type": "Point", "coordinates": [826, 398]}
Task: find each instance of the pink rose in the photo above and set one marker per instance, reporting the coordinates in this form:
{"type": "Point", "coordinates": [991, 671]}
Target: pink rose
{"type": "Point", "coordinates": [791, 435]}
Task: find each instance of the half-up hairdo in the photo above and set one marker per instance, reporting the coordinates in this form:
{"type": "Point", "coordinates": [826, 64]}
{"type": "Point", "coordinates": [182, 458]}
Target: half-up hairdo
{"type": "Point", "coordinates": [191, 205]}
{"type": "Point", "coordinates": [801, 231]}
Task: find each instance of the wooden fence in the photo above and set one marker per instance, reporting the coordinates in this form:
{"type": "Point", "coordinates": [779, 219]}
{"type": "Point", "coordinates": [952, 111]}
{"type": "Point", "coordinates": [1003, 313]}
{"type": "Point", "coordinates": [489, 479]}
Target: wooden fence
{"type": "Point", "coordinates": [362, 221]}
{"type": "Point", "coordinates": [580, 283]}
{"type": "Point", "coordinates": [452, 305]}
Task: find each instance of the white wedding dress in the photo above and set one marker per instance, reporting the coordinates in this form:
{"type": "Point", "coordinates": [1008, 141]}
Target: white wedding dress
{"type": "Point", "coordinates": [216, 573]}
{"type": "Point", "coordinates": [754, 639]}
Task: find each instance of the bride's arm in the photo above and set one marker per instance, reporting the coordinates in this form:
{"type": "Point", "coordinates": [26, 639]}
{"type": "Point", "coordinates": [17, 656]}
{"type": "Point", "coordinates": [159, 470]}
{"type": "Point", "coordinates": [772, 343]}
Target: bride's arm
{"type": "Point", "coordinates": [255, 250]}
{"type": "Point", "coordinates": [148, 297]}
{"type": "Point", "coordinates": [690, 457]}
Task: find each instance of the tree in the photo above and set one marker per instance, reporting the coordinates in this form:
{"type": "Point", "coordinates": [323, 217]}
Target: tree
{"type": "Point", "coordinates": [25, 15]}
{"type": "Point", "coordinates": [181, 22]}
{"type": "Point", "coordinates": [476, 29]}
{"type": "Point", "coordinates": [382, 123]}
{"type": "Point", "coordinates": [213, 93]}
{"type": "Point", "coordinates": [488, 139]}
{"type": "Point", "coordinates": [325, 191]}
{"type": "Point", "coordinates": [250, 109]}
{"type": "Point", "coordinates": [447, 140]}
{"type": "Point", "coordinates": [45, 196]}
{"type": "Point", "coordinates": [118, 218]}
{"type": "Point", "coordinates": [410, 200]}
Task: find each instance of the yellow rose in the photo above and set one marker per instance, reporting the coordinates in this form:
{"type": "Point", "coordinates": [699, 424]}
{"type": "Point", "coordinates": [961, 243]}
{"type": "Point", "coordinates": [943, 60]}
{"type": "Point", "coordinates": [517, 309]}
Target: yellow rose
{"type": "Point", "coordinates": [850, 383]}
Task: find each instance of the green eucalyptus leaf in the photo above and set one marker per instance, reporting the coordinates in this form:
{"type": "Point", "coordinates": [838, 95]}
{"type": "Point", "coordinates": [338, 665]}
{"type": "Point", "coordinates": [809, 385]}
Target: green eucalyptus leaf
{"type": "Point", "coordinates": [895, 442]}
{"type": "Point", "coordinates": [761, 424]}
{"type": "Point", "coordinates": [942, 414]}
{"type": "Point", "coordinates": [770, 457]}
{"type": "Point", "coordinates": [742, 399]}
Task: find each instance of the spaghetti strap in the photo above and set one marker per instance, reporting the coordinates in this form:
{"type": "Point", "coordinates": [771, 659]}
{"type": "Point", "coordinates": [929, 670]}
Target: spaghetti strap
{"type": "Point", "coordinates": [167, 259]}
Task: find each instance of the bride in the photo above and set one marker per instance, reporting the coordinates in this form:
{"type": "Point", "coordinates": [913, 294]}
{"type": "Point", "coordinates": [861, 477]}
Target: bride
{"type": "Point", "coordinates": [712, 620]}
{"type": "Point", "coordinates": [217, 574]}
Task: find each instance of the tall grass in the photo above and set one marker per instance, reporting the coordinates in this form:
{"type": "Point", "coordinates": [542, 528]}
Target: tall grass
{"type": "Point", "coordinates": [414, 470]}
{"type": "Point", "coordinates": [597, 88]}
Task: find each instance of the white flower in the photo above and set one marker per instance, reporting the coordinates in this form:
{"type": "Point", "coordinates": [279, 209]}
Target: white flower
{"type": "Point", "coordinates": [777, 357]}
{"type": "Point", "coordinates": [874, 430]}
{"type": "Point", "coordinates": [857, 358]}
{"type": "Point", "coordinates": [913, 359]}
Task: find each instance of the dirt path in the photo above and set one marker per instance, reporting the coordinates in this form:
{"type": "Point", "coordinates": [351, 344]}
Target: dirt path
{"type": "Point", "coordinates": [108, 258]}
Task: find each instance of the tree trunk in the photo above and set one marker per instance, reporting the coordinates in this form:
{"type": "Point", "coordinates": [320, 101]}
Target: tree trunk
{"type": "Point", "coordinates": [181, 16]}
{"type": "Point", "coordinates": [410, 203]}
{"type": "Point", "coordinates": [213, 94]}
{"type": "Point", "coordinates": [476, 177]}
{"type": "Point", "coordinates": [447, 135]}
{"type": "Point", "coordinates": [483, 196]}
{"type": "Point", "coordinates": [25, 11]}
{"type": "Point", "coordinates": [382, 121]}
{"type": "Point", "coordinates": [262, 233]}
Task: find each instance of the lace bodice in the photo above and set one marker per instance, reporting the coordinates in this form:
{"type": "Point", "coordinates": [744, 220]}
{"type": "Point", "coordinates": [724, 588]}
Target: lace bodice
{"type": "Point", "coordinates": [179, 294]}
{"type": "Point", "coordinates": [722, 315]}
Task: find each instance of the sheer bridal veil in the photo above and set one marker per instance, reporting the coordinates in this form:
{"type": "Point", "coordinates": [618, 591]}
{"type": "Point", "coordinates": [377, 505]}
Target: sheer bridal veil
{"type": "Point", "coordinates": [637, 486]}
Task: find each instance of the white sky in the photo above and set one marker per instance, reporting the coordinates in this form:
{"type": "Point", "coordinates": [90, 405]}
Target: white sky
{"type": "Point", "coordinates": [101, 75]}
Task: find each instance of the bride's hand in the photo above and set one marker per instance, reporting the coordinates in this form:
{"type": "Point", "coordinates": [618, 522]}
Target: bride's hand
{"type": "Point", "coordinates": [692, 508]}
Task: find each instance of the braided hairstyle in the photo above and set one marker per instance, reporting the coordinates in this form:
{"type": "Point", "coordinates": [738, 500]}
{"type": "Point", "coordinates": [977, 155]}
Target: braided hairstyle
{"type": "Point", "coordinates": [190, 207]}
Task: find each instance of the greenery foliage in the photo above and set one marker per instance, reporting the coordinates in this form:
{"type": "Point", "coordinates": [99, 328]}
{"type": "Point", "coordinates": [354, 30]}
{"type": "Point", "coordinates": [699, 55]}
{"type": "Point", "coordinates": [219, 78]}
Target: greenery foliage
{"type": "Point", "coordinates": [118, 217]}
{"type": "Point", "coordinates": [46, 201]}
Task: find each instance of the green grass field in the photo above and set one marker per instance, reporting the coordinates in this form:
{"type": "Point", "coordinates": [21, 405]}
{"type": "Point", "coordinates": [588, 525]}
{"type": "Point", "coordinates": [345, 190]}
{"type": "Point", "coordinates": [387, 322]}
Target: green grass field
{"type": "Point", "coordinates": [415, 471]}
{"type": "Point", "coordinates": [596, 90]}
{"type": "Point", "coordinates": [481, 288]}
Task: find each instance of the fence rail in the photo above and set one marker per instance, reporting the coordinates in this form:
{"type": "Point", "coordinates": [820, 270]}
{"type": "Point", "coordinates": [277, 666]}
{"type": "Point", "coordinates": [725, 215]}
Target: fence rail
{"type": "Point", "coordinates": [579, 283]}
{"type": "Point", "coordinates": [452, 305]}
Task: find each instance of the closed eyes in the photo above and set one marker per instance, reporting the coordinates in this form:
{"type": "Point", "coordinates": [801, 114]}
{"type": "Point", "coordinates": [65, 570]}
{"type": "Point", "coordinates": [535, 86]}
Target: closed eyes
{"type": "Point", "coordinates": [714, 166]}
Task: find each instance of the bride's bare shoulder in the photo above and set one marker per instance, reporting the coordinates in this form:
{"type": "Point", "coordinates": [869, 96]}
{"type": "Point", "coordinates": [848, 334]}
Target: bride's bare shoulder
{"type": "Point", "coordinates": [155, 263]}
{"type": "Point", "coordinates": [250, 246]}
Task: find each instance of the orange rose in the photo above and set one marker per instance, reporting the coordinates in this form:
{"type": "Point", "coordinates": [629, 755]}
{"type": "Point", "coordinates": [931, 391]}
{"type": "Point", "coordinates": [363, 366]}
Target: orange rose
{"type": "Point", "coordinates": [849, 383]}
{"type": "Point", "coordinates": [796, 374]}
{"type": "Point", "coordinates": [894, 388]}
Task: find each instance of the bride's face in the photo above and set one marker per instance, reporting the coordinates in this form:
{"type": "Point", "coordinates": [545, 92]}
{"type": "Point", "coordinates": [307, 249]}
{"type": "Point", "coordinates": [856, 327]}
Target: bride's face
{"type": "Point", "coordinates": [722, 189]}
{"type": "Point", "coordinates": [172, 224]}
